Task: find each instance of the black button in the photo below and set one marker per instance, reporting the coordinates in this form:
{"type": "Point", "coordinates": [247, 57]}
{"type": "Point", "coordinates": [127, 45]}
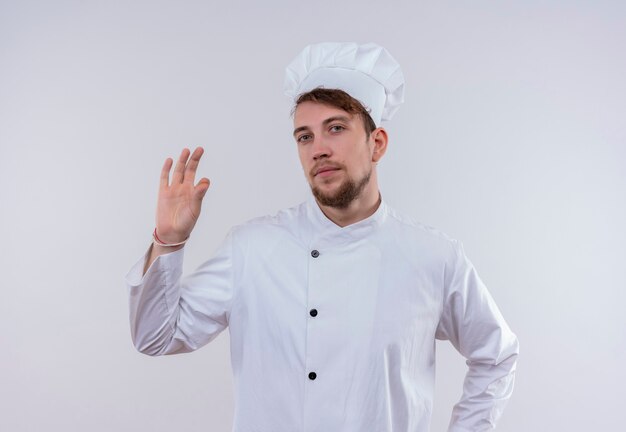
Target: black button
{"type": "Point", "coordinates": [315, 253]}
{"type": "Point", "coordinates": [312, 375]}
{"type": "Point", "coordinates": [313, 312]}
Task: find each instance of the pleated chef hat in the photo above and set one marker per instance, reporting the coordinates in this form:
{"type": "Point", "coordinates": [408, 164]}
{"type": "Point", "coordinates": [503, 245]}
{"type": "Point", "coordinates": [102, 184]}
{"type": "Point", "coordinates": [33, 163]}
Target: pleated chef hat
{"type": "Point", "coordinates": [367, 72]}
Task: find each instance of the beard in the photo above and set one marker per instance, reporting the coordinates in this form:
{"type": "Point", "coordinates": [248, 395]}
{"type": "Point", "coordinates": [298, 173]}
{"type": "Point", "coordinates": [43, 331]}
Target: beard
{"type": "Point", "coordinates": [347, 192]}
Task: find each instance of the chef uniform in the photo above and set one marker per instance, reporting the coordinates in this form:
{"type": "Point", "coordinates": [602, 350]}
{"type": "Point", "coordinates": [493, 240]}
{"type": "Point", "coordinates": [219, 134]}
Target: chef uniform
{"type": "Point", "coordinates": [333, 329]}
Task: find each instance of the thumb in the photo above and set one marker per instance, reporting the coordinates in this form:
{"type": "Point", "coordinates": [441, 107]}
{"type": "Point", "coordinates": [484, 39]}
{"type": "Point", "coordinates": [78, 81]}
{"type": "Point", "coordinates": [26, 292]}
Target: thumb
{"type": "Point", "coordinates": [202, 187]}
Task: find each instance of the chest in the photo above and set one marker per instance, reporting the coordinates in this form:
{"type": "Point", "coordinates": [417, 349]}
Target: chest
{"type": "Point", "coordinates": [360, 292]}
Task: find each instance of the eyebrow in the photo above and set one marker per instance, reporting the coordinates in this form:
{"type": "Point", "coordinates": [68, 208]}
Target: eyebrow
{"type": "Point", "coordinates": [324, 123]}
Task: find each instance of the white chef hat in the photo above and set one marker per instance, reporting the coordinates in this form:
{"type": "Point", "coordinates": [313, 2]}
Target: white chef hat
{"type": "Point", "coordinates": [367, 72]}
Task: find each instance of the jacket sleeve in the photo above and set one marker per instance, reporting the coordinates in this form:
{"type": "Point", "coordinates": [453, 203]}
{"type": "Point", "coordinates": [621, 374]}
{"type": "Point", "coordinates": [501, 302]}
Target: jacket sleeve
{"type": "Point", "coordinates": [472, 322]}
{"type": "Point", "coordinates": [171, 314]}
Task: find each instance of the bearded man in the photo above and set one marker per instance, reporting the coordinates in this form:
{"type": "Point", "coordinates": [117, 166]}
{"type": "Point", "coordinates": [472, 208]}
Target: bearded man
{"type": "Point", "coordinates": [333, 306]}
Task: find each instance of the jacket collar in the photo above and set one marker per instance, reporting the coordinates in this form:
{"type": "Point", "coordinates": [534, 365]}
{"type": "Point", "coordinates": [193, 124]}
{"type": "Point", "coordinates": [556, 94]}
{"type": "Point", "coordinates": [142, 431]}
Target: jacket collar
{"type": "Point", "coordinates": [322, 228]}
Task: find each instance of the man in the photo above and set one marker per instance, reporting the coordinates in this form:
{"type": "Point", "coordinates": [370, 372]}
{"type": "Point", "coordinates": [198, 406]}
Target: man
{"type": "Point", "coordinates": [333, 306]}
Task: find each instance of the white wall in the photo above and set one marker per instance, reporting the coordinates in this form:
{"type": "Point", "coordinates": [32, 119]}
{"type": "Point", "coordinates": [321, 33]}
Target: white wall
{"type": "Point", "coordinates": [512, 139]}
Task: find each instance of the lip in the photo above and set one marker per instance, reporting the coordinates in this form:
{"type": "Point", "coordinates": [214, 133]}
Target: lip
{"type": "Point", "coordinates": [327, 170]}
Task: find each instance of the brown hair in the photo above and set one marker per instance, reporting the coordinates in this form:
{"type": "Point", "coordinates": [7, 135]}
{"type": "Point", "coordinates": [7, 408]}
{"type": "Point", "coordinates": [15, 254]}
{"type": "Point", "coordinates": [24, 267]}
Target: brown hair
{"type": "Point", "coordinates": [338, 99]}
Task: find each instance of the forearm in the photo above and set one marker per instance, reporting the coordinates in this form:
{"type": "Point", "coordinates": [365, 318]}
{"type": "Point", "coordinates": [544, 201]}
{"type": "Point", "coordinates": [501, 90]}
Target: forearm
{"type": "Point", "coordinates": [153, 301]}
{"type": "Point", "coordinates": [156, 251]}
{"type": "Point", "coordinates": [486, 391]}
{"type": "Point", "coordinates": [170, 314]}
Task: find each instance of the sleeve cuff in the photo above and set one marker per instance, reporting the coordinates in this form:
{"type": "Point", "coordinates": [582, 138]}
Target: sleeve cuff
{"type": "Point", "coordinates": [169, 263]}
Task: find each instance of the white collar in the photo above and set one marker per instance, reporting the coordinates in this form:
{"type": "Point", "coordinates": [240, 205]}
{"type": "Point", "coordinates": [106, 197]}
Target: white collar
{"type": "Point", "coordinates": [323, 227]}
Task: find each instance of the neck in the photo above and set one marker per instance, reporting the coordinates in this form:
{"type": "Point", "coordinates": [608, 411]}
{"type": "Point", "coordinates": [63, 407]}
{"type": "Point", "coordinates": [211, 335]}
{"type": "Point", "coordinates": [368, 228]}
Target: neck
{"type": "Point", "coordinates": [361, 208]}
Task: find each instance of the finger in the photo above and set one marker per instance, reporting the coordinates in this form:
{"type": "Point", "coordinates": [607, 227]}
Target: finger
{"type": "Point", "coordinates": [192, 165]}
{"type": "Point", "coordinates": [165, 173]}
{"type": "Point", "coordinates": [202, 187]}
{"type": "Point", "coordinates": [179, 170]}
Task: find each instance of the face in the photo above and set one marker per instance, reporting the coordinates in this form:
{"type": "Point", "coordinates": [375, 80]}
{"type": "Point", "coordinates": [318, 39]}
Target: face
{"type": "Point", "coordinates": [336, 155]}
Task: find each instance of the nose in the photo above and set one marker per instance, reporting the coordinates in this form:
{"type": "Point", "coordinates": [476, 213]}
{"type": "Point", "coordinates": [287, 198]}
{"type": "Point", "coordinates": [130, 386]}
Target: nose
{"type": "Point", "coordinates": [321, 149]}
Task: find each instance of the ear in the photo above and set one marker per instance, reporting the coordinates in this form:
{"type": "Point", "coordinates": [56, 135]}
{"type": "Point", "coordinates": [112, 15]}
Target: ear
{"type": "Point", "coordinates": [380, 138]}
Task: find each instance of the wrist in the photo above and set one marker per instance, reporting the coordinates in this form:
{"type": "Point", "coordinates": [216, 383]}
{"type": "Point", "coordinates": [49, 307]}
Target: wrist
{"type": "Point", "coordinates": [162, 243]}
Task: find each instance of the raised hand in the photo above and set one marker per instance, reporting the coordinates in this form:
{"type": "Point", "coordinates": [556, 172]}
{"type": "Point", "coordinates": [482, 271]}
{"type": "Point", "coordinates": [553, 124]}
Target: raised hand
{"type": "Point", "coordinates": [179, 202]}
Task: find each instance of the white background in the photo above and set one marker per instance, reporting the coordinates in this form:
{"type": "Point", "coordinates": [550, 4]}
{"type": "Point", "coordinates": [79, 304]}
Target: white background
{"type": "Point", "coordinates": [512, 139]}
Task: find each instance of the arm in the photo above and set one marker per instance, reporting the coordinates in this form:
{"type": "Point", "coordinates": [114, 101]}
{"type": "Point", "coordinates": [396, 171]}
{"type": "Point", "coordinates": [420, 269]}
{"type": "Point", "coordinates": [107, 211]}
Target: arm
{"type": "Point", "coordinates": [159, 314]}
{"type": "Point", "coordinates": [171, 314]}
{"type": "Point", "coordinates": [474, 325]}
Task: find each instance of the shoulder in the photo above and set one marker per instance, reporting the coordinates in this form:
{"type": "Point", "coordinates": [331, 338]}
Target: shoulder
{"type": "Point", "coordinates": [411, 231]}
{"type": "Point", "coordinates": [403, 222]}
{"type": "Point", "coordinates": [270, 225]}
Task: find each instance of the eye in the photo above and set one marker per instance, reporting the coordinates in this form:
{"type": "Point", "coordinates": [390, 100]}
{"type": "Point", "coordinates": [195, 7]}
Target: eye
{"type": "Point", "coordinates": [303, 138]}
{"type": "Point", "coordinates": [336, 128]}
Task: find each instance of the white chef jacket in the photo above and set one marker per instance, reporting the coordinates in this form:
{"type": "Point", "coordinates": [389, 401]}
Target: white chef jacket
{"type": "Point", "coordinates": [333, 329]}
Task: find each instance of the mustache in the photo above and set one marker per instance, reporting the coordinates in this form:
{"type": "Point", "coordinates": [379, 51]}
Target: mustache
{"type": "Point", "coordinates": [324, 165]}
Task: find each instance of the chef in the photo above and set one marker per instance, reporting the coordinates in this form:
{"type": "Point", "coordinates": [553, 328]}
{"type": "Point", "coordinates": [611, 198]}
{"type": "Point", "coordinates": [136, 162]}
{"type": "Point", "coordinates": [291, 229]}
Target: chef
{"type": "Point", "coordinates": [333, 306]}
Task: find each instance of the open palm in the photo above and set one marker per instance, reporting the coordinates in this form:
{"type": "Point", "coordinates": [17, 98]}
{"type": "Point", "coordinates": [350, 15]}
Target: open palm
{"type": "Point", "coordinates": [180, 201]}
